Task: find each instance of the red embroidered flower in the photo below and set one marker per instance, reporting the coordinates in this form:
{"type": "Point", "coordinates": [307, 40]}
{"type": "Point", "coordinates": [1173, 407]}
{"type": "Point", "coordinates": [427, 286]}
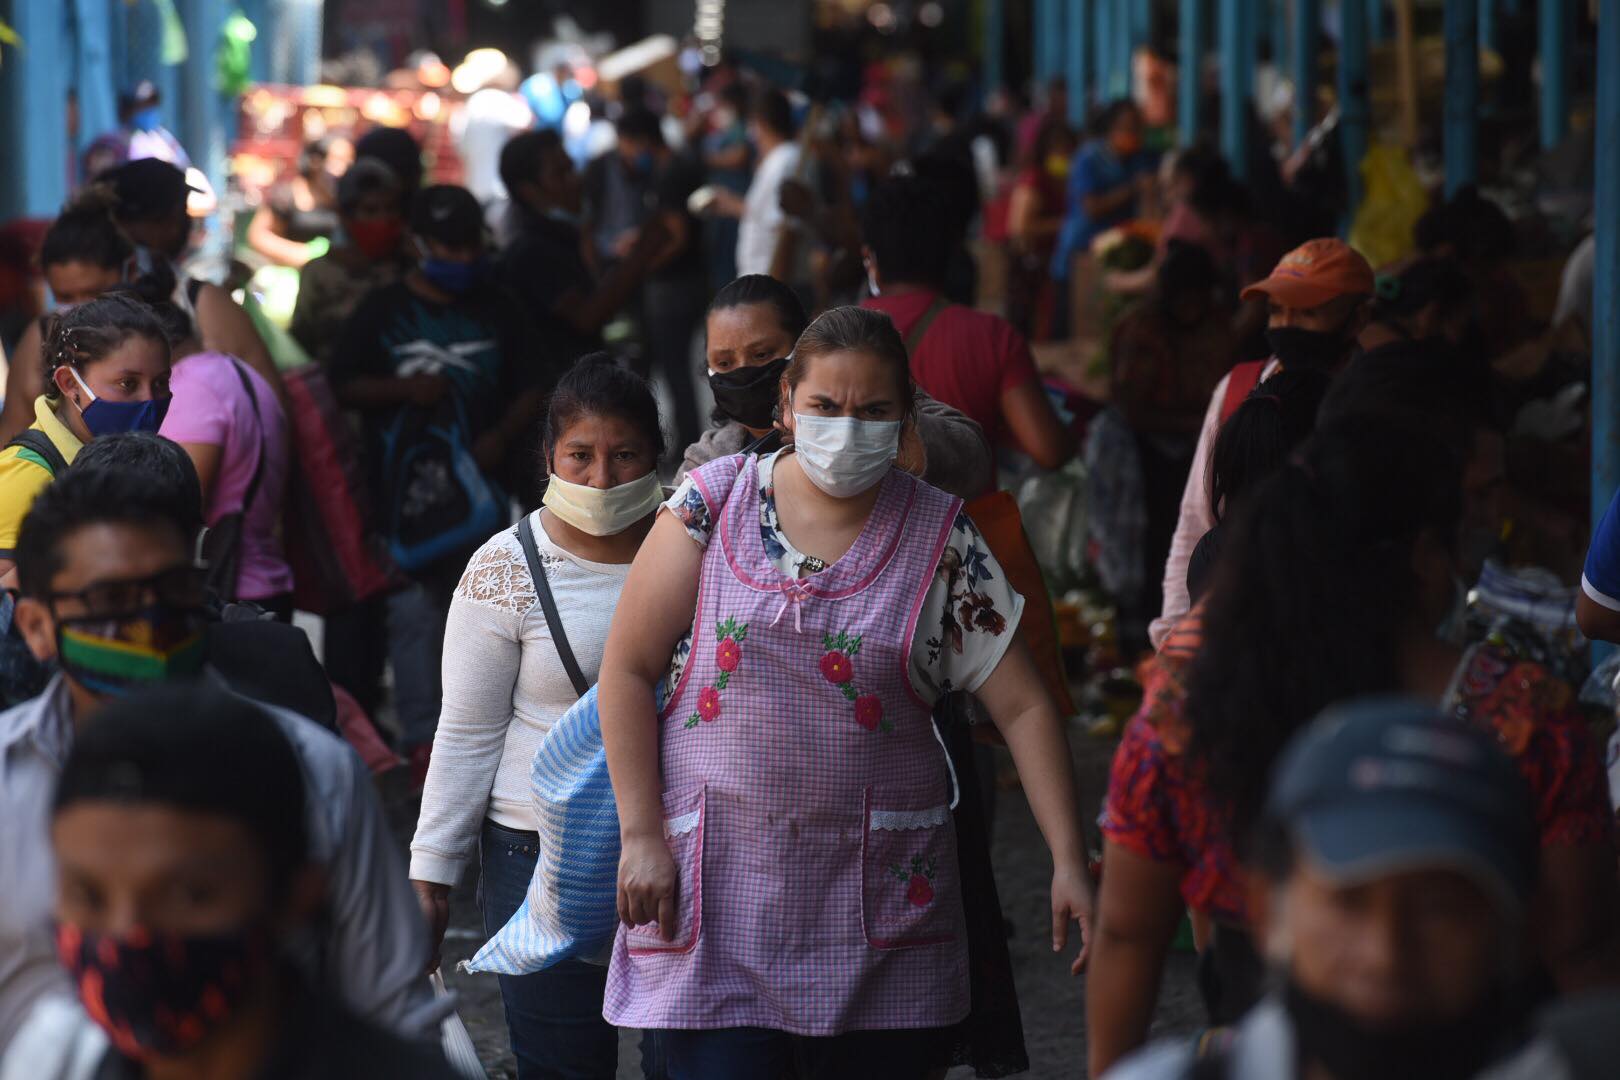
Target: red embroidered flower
{"type": "Point", "coordinates": [836, 668]}
{"type": "Point", "coordinates": [921, 891]}
{"type": "Point", "coordinates": [727, 655]}
{"type": "Point", "coordinates": [709, 703]}
{"type": "Point", "coordinates": [869, 711]}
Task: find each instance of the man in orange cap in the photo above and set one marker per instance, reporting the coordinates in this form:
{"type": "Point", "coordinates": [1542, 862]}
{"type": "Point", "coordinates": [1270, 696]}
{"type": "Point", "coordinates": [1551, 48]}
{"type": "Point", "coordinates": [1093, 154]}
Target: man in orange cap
{"type": "Point", "coordinates": [1319, 298]}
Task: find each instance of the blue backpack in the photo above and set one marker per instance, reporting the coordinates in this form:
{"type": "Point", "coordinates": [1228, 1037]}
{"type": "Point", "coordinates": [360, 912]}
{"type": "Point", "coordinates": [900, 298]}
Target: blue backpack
{"type": "Point", "coordinates": [436, 500]}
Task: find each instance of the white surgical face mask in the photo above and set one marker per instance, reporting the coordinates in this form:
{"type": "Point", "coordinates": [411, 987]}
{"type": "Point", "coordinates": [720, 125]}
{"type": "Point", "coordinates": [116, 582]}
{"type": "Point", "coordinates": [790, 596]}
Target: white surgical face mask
{"type": "Point", "coordinates": [844, 456]}
{"type": "Point", "coordinates": [603, 511]}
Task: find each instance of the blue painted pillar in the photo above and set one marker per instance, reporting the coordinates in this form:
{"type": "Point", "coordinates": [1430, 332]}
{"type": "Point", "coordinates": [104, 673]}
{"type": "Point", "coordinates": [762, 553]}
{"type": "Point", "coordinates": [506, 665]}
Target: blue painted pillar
{"type": "Point", "coordinates": [93, 45]}
{"type": "Point", "coordinates": [1194, 32]}
{"type": "Point", "coordinates": [1281, 40]}
{"type": "Point", "coordinates": [1040, 16]}
{"type": "Point", "coordinates": [1078, 61]}
{"type": "Point", "coordinates": [1554, 18]}
{"type": "Point", "coordinates": [1377, 28]}
{"type": "Point", "coordinates": [1307, 24]}
{"type": "Point", "coordinates": [258, 13]}
{"type": "Point", "coordinates": [204, 110]}
{"type": "Point", "coordinates": [33, 112]}
{"type": "Point", "coordinates": [1353, 93]}
{"type": "Point", "coordinates": [1461, 134]}
{"type": "Point", "coordinates": [1124, 48]}
{"type": "Point", "coordinates": [1237, 82]}
{"type": "Point", "coordinates": [1053, 37]}
{"type": "Point", "coordinates": [1606, 270]}
{"type": "Point", "coordinates": [1487, 25]}
{"type": "Point", "coordinates": [1141, 23]}
{"type": "Point", "coordinates": [293, 41]}
{"type": "Point", "coordinates": [1103, 48]}
{"type": "Point", "coordinates": [144, 60]}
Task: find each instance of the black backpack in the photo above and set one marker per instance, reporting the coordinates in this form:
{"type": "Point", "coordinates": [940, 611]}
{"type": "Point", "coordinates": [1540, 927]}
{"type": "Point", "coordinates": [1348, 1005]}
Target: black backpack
{"type": "Point", "coordinates": [40, 443]}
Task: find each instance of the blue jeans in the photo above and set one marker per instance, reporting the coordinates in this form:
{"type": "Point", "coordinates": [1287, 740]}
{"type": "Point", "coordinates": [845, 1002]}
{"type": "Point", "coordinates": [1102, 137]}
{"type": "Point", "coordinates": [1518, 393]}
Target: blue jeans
{"type": "Point", "coordinates": [553, 1017]}
{"type": "Point", "coordinates": [763, 1054]}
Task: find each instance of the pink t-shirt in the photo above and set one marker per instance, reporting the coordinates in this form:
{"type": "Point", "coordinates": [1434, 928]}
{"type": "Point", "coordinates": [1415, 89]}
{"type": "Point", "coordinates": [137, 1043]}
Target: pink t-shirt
{"type": "Point", "coordinates": [210, 406]}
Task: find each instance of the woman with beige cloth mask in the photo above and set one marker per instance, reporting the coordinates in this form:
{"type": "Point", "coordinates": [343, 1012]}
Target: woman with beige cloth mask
{"type": "Point", "coordinates": [509, 675]}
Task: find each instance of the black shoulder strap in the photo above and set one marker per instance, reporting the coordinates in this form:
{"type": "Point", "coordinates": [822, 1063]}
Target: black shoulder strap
{"type": "Point", "coordinates": [548, 603]}
{"type": "Point", "coordinates": [919, 329]}
{"type": "Point", "coordinates": [264, 445]}
{"type": "Point", "coordinates": [40, 443]}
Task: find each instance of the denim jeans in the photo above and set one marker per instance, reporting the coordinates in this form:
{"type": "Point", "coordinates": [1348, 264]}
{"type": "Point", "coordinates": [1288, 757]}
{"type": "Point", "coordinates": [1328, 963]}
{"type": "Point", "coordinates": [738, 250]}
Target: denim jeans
{"type": "Point", "coordinates": [416, 617]}
{"type": "Point", "coordinates": [753, 1053]}
{"type": "Point", "coordinates": [553, 1017]}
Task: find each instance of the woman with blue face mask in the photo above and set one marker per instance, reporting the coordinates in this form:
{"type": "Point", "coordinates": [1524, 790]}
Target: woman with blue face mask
{"type": "Point", "coordinates": [786, 817]}
{"type": "Point", "coordinates": [107, 371]}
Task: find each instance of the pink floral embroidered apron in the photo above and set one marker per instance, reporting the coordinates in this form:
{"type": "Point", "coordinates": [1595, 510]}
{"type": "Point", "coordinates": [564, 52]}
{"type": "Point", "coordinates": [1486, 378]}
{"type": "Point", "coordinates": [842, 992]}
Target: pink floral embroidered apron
{"type": "Point", "coordinates": [806, 796]}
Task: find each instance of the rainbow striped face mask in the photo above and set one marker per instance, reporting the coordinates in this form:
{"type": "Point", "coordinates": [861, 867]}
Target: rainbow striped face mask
{"type": "Point", "coordinates": [115, 655]}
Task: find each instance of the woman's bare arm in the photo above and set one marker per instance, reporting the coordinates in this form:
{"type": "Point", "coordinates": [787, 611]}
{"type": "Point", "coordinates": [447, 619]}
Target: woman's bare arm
{"type": "Point", "coordinates": [655, 609]}
{"type": "Point", "coordinates": [25, 381]}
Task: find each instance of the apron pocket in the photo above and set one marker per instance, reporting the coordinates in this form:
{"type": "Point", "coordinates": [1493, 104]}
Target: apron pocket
{"type": "Point", "coordinates": [909, 879]}
{"type": "Point", "coordinates": [683, 832]}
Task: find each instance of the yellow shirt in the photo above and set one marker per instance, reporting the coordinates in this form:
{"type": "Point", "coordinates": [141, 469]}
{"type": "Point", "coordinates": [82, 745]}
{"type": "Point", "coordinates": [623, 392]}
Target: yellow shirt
{"type": "Point", "coordinates": [24, 474]}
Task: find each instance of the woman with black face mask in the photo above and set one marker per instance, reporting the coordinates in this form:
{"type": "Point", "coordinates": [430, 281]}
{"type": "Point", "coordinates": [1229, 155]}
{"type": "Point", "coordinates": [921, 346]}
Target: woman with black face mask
{"type": "Point", "coordinates": [749, 331]}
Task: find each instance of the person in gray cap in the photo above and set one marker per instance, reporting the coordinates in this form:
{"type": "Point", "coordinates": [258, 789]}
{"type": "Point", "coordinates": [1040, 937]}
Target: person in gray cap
{"type": "Point", "coordinates": [1393, 867]}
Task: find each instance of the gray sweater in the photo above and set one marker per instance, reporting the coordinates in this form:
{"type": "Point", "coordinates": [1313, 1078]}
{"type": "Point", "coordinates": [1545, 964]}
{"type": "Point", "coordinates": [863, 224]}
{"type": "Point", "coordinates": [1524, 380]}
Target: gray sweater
{"type": "Point", "coordinates": [958, 454]}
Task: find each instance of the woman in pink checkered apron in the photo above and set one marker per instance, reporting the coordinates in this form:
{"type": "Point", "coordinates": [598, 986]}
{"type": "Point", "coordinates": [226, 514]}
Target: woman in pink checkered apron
{"type": "Point", "coordinates": [788, 883]}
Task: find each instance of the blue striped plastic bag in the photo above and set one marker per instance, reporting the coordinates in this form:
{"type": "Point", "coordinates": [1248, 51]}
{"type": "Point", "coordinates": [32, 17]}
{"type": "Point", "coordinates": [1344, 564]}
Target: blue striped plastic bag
{"type": "Point", "coordinates": [569, 912]}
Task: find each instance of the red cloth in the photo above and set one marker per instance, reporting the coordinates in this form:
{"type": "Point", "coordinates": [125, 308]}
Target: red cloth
{"type": "Point", "coordinates": [1160, 807]}
{"type": "Point", "coordinates": [968, 359]}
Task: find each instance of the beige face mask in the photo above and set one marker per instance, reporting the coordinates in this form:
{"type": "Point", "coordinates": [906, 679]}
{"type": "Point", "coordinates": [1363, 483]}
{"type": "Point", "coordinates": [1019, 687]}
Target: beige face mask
{"type": "Point", "coordinates": [603, 511]}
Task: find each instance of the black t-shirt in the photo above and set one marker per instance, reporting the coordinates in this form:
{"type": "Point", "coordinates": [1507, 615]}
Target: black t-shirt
{"type": "Point", "coordinates": [300, 225]}
{"type": "Point", "coordinates": [672, 186]}
{"type": "Point", "coordinates": [542, 266]}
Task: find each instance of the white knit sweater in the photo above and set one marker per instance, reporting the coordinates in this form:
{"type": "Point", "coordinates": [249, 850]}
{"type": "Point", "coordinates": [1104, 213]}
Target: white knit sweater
{"type": "Point", "coordinates": [503, 689]}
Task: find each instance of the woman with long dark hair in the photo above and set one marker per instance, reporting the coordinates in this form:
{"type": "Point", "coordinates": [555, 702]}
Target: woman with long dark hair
{"type": "Point", "coordinates": [1339, 581]}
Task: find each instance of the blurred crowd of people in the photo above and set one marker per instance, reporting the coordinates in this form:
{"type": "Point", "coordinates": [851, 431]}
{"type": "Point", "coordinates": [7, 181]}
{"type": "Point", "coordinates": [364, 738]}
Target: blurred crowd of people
{"type": "Point", "coordinates": [1386, 814]}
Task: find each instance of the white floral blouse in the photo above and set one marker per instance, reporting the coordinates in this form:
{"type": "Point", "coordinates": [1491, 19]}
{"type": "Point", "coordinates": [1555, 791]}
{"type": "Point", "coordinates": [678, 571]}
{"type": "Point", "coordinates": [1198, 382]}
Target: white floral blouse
{"type": "Point", "coordinates": [968, 616]}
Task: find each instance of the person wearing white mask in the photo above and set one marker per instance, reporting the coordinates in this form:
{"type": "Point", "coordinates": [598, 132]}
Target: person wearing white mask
{"type": "Point", "coordinates": [512, 668]}
{"type": "Point", "coordinates": [788, 882]}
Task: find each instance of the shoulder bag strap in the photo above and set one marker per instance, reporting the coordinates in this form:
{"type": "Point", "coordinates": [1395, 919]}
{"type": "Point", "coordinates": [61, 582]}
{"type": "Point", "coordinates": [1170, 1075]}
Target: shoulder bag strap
{"type": "Point", "coordinates": [919, 329]}
{"type": "Point", "coordinates": [548, 603]}
{"type": "Point", "coordinates": [264, 445]}
{"type": "Point", "coordinates": [40, 443]}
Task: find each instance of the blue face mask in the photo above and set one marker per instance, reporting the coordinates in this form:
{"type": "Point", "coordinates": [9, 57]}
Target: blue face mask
{"type": "Point", "coordinates": [117, 417]}
{"type": "Point", "coordinates": [147, 119]}
{"type": "Point", "coordinates": [455, 278]}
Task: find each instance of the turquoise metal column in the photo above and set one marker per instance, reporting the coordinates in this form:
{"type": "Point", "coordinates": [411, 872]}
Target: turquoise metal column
{"type": "Point", "coordinates": [1053, 38]}
{"type": "Point", "coordinates": [1461, 135]}
{"type": "Point", "coordinates": [144, 60]}
{"type": "Point", "coordinates": [33, 111]}
{"type": "Point", "coordinates": [1037, 54]}
{"type": "Point", "coordinates": [1120, 84]}
{"type": "Point", "coordinates": [1487, 25]}
{"type": "Point", "coordinates": [204, 111]}
{"type": "Point", "coordinates": [1606, 270]}
{"type": "Point", "coordinates": [1554, 18]}
{"type": "Point", "coordinates": [1078, 60]}
{"type": "Point", "coordinates": [1237, 83]}
{"type": "Point", "coordinates": [1376, 26]}
{"type": "Point", "coordinates": [1194, 32]}
{"type": "Point", "coordinates": [1103, 48]}
{"type": "Point", "coordinates": [1353, 93]}
{"type": "Point", "coordinates": [93, 45]}
{"type": "Point", "coordinates": [1307, 26]}
{"type": "Point", "coordinates": [1281, 41]}
{"type": "Point", "coordinates": [258, 13]}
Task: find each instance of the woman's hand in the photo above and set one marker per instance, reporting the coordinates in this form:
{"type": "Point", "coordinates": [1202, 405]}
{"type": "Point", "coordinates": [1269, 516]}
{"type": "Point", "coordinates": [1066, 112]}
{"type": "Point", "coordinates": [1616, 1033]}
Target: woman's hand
{"type": "Point", "coordinates": [435, 901]}
{"type": "Point", "coordinates": [648, 884]}
{"type": "Point", "coordinates": [1072, 898]}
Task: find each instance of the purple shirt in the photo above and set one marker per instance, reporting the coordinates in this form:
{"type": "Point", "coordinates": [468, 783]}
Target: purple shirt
{"type": "Point", "coordinates": [211, 406]}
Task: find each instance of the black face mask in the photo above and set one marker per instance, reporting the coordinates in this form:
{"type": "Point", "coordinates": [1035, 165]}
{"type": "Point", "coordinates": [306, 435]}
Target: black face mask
{"type": "Point", "coordinates": [1308, 350]}
{"type": "Point", "coordinates": [749, 395]}
{"type": "Point", "coordinates": [1351, 1050]}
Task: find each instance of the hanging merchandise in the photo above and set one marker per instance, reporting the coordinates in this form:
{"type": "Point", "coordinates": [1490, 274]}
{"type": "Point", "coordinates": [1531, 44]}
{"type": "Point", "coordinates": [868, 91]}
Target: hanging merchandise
{"type": "Point", "coordinates": [235, 55]}
{"type": "Point", "coordinates": [174, 49]}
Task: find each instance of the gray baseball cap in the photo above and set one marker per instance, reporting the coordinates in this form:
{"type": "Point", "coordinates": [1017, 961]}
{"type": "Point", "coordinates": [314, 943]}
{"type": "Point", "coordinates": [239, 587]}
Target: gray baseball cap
{"type": "Point", "coordinates": [1387, 785]}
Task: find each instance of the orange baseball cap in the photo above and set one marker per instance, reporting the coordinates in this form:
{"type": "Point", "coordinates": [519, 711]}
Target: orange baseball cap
{"type": "Point", "coordinates": [1314, 273]}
